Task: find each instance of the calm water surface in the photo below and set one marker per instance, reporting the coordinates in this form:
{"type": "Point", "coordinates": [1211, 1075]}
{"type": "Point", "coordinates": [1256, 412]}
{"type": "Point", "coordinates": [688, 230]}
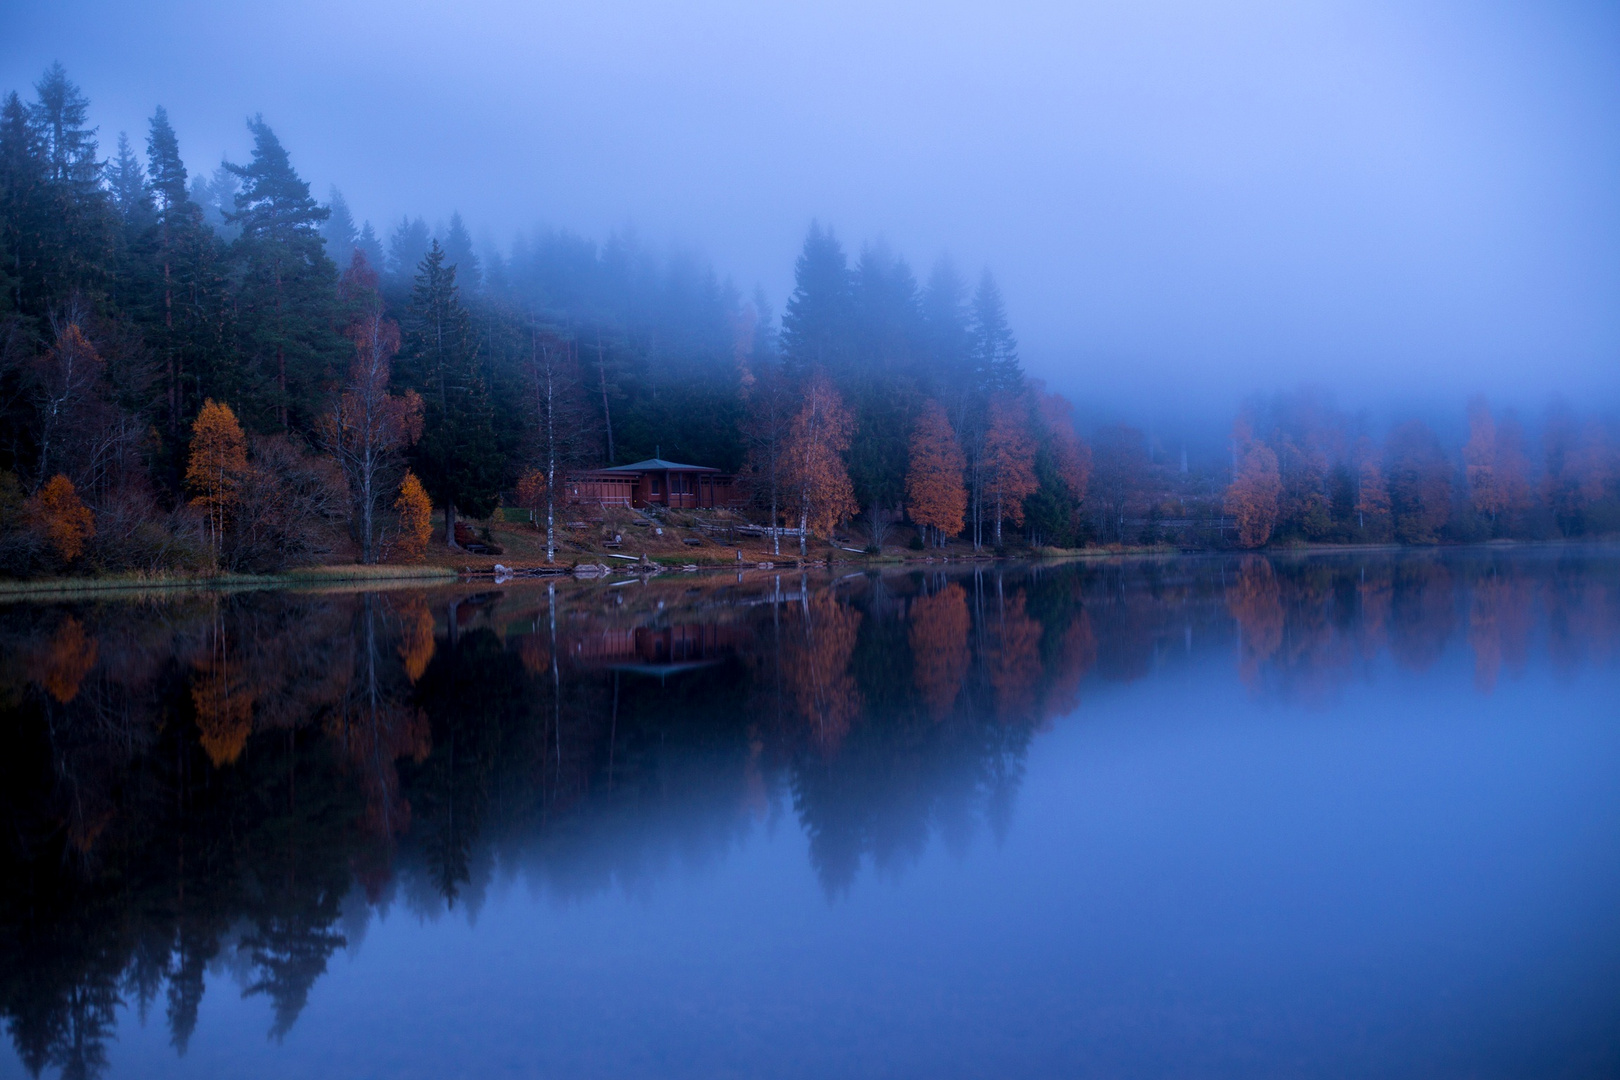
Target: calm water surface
{"type": "Point", "coordinates": [1329, 816]}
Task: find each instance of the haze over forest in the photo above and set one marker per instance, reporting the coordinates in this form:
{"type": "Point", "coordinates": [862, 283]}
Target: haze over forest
{"type": "Point", "coordinates": [1183, 205]}
{"type": "Point", "coordinates": [1289, 276]}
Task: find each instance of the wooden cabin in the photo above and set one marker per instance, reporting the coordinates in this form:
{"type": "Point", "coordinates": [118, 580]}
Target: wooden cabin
{"type": "Point", "coordinates": [654, 482]}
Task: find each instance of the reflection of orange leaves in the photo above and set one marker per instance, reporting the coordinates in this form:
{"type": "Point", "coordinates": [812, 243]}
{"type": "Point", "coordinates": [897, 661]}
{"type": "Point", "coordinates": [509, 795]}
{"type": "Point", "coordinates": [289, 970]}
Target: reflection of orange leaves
{"type": "Point", "coordinates": [416, 645]}
{"type": "Point", "coordinates": [1499, 627]}
{"type": "Point", "coordinates": [1014, 658]}
{"type": "Point", "coordinates": [939, 647]}
{"type": "Point", "coordinates": [816, 669]}
{"type": "Point", "coordinates": [1077, 658]}
{"type": "Point", "coordinates": [535, 653]}
{"type": "Point", "coordinates": [224, 713]}
{"type": "Point", "coordinates": [1255, 601]}
{"type": "Point", "coordinates": [65, 662]}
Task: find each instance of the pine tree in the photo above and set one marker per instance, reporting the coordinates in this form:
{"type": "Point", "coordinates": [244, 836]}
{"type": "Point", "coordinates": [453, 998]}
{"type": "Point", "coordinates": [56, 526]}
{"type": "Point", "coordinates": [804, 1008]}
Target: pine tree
{"type": "Point", "coordinates": [459, 455]}
{"type": "Point", "coordinates": [995, 350]}
{"type": "Point", "coordinates": [187, 324]}
{"type": "Point", "coordinates": [816, 327]}
{"type": "Point", "coordinates": [287, 298]}
{"type": "Point", "coordinates": [407, 247]}
{"type": "Point", "coordinates": [129, 193]}
{"type": "Point", "coordinates": [458, 252]}
{"type": "Point", "coordinates": [76, 230]}
{"type": "Point", "coordinates": [339, 232]}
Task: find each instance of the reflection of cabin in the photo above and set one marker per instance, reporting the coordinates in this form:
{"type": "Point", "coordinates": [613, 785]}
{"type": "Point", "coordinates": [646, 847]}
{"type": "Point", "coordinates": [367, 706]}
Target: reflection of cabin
{"type": "Point", "coordinates": [654, 482]}
{"type": "Point", "coordinates": [659, 651]}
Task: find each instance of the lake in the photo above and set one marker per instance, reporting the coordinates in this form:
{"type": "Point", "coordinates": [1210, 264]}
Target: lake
{"type": "Point", "coordinates": [1331, 815]}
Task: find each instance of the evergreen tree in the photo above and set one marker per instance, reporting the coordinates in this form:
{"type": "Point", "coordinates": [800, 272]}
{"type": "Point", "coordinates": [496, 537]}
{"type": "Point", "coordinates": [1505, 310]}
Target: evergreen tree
{"type": "Point", "coordinates": [127, 181]}
{"type": "Point", "coordinates": [188, 305]}
{"type": "Point", "coordinates": [341, 235]}
{"type": "Point", "coordinates": [76, 230]}
{"type": "Point", "coordinates": [288, 293]}
{"type": "Point", "coordinates": [995, 350]}
{"type": "Point", "coordinates": [22, 205]}
{"type": "Point", "coordinates": [459, 456]}
{"type": "Point", "coordinates": [458, 252]}
{"type": "Point", "coordinates": [817, 323]}
{"type": "Point", "coordinates": [407, 247]}
{"type": "Point", "coordinates": [370, 246]}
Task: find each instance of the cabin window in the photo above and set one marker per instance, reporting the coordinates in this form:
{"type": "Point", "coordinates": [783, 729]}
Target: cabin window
{"type": "Point", "coordinates": [655, 485]}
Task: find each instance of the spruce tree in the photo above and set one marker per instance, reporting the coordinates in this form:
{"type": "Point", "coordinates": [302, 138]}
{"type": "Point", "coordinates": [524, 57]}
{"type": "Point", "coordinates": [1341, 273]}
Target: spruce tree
{"type": "Point", "coordinates": [458, 252]}
{"type": "Point", "coordinates": [288, 293]}
{"type": "Point", "coordinates": [459, 456]}
{"type": "Point", "coordinates": [340, 232]}
{"type": "Point", "coordinates": [127, 181]}
{"type": "Point", "coordinates": [188, 296]}
{"type": "Point", "coordinates": [817, 325]}
{"type": "Point", "coordinates": [76, 230]}
{"type": "Point", "coordinates": [995, 350]}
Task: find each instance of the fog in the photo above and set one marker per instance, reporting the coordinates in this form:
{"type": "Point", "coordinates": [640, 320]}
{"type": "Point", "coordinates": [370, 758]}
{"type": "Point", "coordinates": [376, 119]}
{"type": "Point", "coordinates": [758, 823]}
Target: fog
{"type": "Point", "coordinates": [1184, 203]}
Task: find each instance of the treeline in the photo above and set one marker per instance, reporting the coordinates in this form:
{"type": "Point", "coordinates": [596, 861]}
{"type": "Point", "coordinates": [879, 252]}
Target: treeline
{"type": "Point", "coordinates": [1304, 470]}
{"type": "Point", "coordinates": [223, 371]}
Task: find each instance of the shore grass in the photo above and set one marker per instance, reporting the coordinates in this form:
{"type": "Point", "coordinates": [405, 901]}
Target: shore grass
{"type": "Point", "coordinates": [58, 588]}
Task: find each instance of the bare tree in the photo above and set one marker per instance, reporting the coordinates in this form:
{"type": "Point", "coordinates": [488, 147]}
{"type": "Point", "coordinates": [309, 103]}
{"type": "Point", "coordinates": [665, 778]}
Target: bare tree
{"type": "Point", "coordinates": [367, 429]}
{"type": "Point", "coordinates": [558, 418]}
{"type": "Point", "coordinates": [766, 427]}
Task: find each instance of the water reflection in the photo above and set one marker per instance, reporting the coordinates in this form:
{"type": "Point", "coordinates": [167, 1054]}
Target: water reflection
{"type": "Point", "coordinates": [234, 782]}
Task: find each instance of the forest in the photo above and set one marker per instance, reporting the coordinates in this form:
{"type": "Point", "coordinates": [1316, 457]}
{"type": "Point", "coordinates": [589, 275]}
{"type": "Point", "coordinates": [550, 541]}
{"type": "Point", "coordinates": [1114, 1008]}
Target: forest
{"type": "Point", "coordinates": [221, 372]}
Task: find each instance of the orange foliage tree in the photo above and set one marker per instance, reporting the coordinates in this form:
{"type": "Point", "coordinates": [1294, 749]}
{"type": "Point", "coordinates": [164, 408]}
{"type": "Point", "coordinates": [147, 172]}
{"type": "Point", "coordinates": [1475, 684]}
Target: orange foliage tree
{"type": "Point", "coordinates": [818, 481]}
{"type": "Point", "coordinates": [415, 517]}
{"type": "Point", "coordinates": [65, 520]}
{"type": "Point", "coordinates": [1252, 498]}
{"type": "Point", "coordinates": [1009, 459]}
{"type": "Point", "coordinates": [531, 493]}
{"type": "Point", "coordinates": [217, 467]}
{"type": "Point", "coordinates": [1372, 501]}
{"type": "Point", "coordinates": [935, 494]}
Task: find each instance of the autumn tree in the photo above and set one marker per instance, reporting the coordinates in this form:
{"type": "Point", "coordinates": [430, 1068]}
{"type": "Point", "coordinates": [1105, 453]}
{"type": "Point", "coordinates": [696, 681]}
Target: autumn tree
{"type": "Point", "coordinates": [1372, 501]}
{"type": "Point", "coordinates": [216, 468]}
{"type": "Point", "coordinates": [935, 495]}
{"type": "Point", "coordinates": [1253, 494]}
{"type": "Point", "coordinates": [818, 482]}
{"type": "Point", "coordinates": [1479, 460]}
{"type": "Point", "coordinates": [415, 511]}
{"type": "Point", "coordinates": [68, 377]}
{"type": "Point", "coordinates": [531, 493]}
{"type": "Point", "coordinates": [367, 429]}
{"type": "Point", "coordinates": [1119, 478]}
{"type": "Point", "coordinates": [1009, 456]}
{"type": "Point", "coordinates": [66, 522]}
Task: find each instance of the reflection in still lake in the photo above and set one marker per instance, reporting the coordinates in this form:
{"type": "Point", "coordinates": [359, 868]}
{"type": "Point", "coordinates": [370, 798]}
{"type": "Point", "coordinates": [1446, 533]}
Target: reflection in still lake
{"type": "Point", "coordinates": [214, 795]}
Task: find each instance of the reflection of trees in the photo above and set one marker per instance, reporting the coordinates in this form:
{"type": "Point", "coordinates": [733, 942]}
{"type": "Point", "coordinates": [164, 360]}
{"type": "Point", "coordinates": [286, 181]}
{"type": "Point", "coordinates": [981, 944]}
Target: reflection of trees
{"type": "Point", "coordinates": [1499, 625]}
{"type": "Point", "coordinates": [592, 740]}
{"type": "Point", "coordinates": [939, 647]}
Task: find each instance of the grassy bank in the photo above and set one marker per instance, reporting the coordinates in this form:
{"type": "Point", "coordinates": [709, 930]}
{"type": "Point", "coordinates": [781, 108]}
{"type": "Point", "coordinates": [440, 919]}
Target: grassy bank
{"type": "Point", "coordinates": [67, 588]}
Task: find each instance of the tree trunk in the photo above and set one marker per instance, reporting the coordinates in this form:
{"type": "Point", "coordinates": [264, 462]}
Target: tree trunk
{"type": "Point", "coordinates": [450, 526]}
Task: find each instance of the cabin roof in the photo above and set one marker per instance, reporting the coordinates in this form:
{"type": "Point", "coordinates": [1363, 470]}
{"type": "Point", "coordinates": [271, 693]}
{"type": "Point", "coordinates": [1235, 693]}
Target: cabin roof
{"type": "Point", "coordinates": [658, 465]}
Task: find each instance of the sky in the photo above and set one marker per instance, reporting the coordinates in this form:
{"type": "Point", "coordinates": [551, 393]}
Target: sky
{"type": "Point", "coordinates": [1183, 202]}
